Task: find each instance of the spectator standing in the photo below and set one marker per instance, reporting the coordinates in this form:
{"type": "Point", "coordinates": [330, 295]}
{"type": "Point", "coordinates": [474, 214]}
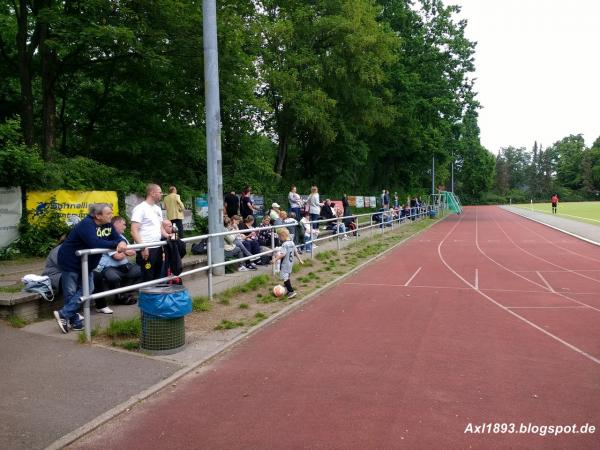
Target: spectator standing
{"type": "Point", "coordinates": [146, 226]}
{"type": "Point", "coordinates": [346, 206]}
{"type": "Point", "coordinates": [232, 204]}
{"type": "Point", "coordinates": [396, 204]}
{"type": "Point", "coordinates": [386, 199]}
{"type": "Point", "coordinates": [295, 202]}
{"type": "Point", "coordinates": [246, 204]}
{"type": "Point", "coordinates": [116, 269]}
{"type": "Point", "coordinates": [95, 231]}
{"type": "Point", "coordinates": [314, 206]}
{"type": "Point", "coordinates": [175, 208]}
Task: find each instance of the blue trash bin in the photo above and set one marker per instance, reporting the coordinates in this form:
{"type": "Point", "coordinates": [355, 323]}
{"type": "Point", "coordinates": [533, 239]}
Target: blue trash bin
{"type": "Point", "coordinates": [163, 308]}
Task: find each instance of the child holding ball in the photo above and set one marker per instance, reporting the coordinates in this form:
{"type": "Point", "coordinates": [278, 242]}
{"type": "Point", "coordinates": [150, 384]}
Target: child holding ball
{"type": "Point", "coordinates": [286, 256]}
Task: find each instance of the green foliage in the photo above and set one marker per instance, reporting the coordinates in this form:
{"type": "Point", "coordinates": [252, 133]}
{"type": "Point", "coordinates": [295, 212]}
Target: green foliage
{"type": "Point", "coordinates": [229, 324]}
{"type": "Point", "coordinates": [124, 328]}
{"type": "Point", "coordinates": [16, 321]}
{"type": "Point", "coordinates": [258, 317]}
{"type": "Point", "coordinates": [19, 165]}
{"type": "Point", "coordinates": [38, 236]}
{"type": "Point", "coordinates": [201, 304]}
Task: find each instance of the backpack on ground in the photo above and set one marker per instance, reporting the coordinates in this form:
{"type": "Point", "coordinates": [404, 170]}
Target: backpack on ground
{"type": "Point", "coordinates": [39, 284]}
{"type": "Point", "coordinates": [200, 248]}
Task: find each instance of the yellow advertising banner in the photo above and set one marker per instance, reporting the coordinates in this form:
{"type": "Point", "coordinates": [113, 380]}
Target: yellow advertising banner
{"type": "Point", "coordinates": [68, 203]}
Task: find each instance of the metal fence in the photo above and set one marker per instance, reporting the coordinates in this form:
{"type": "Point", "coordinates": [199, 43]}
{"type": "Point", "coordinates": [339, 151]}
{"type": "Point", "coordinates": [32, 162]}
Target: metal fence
{"type": "Point", "coordinates": [382, 219]}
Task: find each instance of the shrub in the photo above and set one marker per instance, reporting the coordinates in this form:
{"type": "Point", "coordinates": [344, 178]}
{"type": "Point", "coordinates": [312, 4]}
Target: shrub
{"type": "Point", "coordinates": [39, 237]}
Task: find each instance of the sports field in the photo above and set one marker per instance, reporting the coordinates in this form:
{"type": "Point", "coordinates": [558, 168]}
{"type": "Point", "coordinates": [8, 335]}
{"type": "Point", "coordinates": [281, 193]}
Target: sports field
{"type": "Point", "coordinates": [588, 212]}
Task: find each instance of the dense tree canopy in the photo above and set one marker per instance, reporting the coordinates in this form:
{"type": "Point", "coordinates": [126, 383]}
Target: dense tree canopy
{"type": "Point", "coordinates": [567, 167]}
{"type": "Point", "coordinates": [354, 95]}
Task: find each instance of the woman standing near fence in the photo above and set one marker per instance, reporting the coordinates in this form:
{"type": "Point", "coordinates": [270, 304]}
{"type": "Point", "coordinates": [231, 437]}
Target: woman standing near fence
{"type": "Point", "coordinates": [314, 206]}
{"type": "Point", "coordinates": [295, 202]}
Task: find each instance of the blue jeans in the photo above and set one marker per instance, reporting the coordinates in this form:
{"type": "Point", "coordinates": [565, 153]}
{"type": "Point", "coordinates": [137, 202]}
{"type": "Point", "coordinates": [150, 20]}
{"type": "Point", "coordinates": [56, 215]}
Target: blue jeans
{"type": "Point", "coordinates": [307, 243]}
{"type": "Point", "coordinates": [297, 212]}
{"type": "Point", "coordinates": [314, 217]}
{"type": "Point", "coordinates": [72, 290]}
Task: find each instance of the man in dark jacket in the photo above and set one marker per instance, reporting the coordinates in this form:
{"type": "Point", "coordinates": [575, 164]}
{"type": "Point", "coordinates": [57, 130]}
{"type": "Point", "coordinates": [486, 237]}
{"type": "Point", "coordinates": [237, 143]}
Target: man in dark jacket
{"type": "Point", "coordinates": [95, 231]}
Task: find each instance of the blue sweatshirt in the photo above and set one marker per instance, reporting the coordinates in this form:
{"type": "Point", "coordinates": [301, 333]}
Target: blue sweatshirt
{"type": "Point", "coordinates": [86, 234]}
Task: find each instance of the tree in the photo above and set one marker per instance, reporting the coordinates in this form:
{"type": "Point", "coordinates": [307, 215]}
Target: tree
{"type": "Point", "coordinates": [569, 155]}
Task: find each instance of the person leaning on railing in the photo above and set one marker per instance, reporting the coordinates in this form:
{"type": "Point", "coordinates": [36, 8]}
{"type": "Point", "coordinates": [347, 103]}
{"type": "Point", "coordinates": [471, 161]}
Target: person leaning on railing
{"type": "Point", "coordinates": [95, 231]}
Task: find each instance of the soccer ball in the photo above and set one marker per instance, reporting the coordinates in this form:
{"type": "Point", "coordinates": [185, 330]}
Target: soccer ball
{"type": "Point", "coordinates": [279, 291]}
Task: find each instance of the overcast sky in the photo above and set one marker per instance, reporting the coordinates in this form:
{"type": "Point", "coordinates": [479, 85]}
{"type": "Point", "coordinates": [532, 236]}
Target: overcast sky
{"type": "Point", "coordinates": [537, 69]}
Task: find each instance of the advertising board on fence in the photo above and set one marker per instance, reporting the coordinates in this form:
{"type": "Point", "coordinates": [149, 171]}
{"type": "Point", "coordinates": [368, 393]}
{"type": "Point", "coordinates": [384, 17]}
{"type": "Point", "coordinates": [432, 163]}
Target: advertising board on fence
{"type": "Point", "coordinates": [68, 203]}
{"type": "Point", "coordinates": [10, 214]}
{"type": "Point", "coordinates": [202, 205]}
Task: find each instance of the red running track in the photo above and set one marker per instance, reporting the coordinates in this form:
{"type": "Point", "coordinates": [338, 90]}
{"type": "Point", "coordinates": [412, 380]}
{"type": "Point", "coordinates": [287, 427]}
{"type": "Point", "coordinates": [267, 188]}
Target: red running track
{"type": "Point", "coordinates": [485, 318]}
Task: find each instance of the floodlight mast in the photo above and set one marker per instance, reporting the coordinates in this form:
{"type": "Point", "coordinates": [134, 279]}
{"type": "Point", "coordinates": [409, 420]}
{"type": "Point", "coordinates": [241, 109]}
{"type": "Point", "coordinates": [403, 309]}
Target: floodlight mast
{"type": "Point", "coordinates": [213, 132]}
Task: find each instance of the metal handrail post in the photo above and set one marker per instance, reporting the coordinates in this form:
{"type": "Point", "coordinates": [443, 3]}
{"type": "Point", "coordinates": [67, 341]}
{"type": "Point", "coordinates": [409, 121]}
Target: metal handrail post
{"type": "Point", "coordinates": [210, 269]}
{"type": "Point", "coordinates": [85, 280]}
{"type": "Point", "coordinates": [338, 234]}
{"type": "Point", "coordinates": [312, 236]}
{"type": "Point", "coordinates": [273, 251]}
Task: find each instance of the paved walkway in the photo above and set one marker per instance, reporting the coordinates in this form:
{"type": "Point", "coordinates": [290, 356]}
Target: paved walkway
{"type": "Point", "coordinates": [578, 229]}
{"type": "Point", "coordinates": [51, 385]}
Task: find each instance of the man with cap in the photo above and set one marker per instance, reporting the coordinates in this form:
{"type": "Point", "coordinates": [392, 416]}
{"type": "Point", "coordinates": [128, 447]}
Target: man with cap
{"type": "Point", "coordinates": [274, 213]}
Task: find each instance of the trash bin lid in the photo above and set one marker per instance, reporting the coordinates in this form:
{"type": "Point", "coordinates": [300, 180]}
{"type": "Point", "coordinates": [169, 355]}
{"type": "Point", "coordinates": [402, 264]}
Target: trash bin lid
{"type": "Point", "coordinates": [163, 289]}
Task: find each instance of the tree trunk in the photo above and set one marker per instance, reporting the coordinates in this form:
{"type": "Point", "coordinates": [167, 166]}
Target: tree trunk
{"type": "Point", "coordinates": [24, 59]}
{"type": "Point", "coordinates": [48, 95]}
{"type": "Point", "coordinates": [282, 149]}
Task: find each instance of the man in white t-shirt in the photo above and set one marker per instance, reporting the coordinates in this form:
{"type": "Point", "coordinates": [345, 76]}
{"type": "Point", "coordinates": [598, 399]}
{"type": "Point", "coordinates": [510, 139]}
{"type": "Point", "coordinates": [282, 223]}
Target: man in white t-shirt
{"type": "Point", "coordinates": [146, 220]}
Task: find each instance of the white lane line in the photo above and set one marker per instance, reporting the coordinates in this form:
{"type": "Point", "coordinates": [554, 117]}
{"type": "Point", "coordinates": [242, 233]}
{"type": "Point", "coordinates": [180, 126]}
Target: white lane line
{"type": "Point", "coordinates": [548, 262]}
{"type": "Point", "coordinates": [458, 288]}
{"type": "Point", "coordinates": [547, 307]}
{"type": "Point", "coordinates": [496, 262]}
{"type": "Point", "coordinates": [414, 275]}
{"type": "Point", "coordinates": [545, 281]}
{"type": "Point", "coordinates": [476, 279]}
{"type": "Point", "coordinates": [491, 300]}
{"type": "Point", "coordinates": [565, 270]}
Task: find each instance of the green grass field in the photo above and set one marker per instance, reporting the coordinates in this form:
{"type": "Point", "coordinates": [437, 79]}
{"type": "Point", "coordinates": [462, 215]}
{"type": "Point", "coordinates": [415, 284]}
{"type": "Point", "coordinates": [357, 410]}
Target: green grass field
{"type": "Point", "coordinates": [588, 212]}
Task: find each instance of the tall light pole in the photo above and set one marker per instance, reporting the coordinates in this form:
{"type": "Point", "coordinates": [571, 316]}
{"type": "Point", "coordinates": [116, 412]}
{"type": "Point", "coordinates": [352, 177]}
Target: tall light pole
{"type": "Point", "coordinates": [452, 171]}
{"type": "Point", "coordinates": [213, 132]}
{"type": "Point", "coordinates": [433, 175]}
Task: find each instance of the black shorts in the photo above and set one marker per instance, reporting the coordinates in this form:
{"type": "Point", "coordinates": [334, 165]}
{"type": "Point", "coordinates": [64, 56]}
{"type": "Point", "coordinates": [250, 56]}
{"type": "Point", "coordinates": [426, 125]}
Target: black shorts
{"type": "Point", "coordinates": [554, 205]}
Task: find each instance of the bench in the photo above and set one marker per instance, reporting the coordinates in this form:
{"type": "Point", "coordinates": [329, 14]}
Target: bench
{"type": "Point", "coordinates": [31, 306]}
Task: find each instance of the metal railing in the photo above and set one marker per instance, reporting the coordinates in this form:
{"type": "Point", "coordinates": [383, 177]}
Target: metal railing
{"type": "Point", "coordinates": [415, 214]}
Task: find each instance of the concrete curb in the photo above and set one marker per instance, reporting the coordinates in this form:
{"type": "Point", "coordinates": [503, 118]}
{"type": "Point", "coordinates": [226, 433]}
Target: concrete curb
{"type": "Point", "coordinates": [589, 241]}
{"type": "Point", "coordinates": [128, 404]}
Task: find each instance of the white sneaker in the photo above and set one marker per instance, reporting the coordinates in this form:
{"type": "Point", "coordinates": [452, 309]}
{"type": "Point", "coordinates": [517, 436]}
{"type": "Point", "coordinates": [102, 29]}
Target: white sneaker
{"type": "Point", "coordinates": [80, 317]}
{"type": "Point", "coordinates": [243, 269]}
{"type": "Point", "coordinates": [105, 310]}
